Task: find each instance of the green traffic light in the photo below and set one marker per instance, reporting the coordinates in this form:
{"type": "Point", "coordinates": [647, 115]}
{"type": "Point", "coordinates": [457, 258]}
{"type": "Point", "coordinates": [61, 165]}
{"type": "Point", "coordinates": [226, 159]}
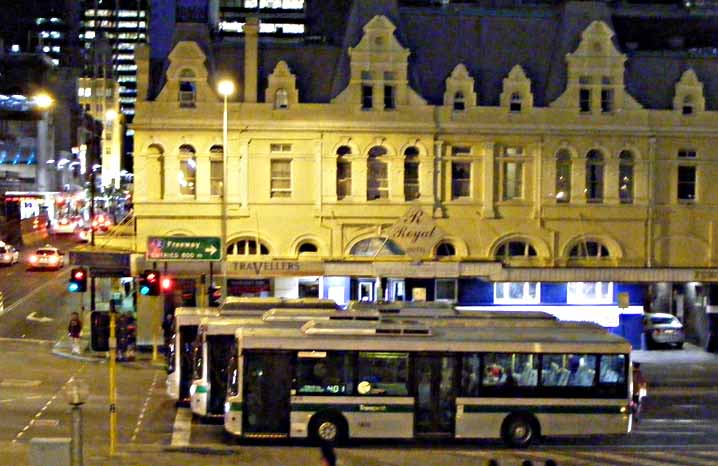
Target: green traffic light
{"type": "Point", "coordinates": [144, 290]}
{"type": "Point", "coordinates": [73, 287]}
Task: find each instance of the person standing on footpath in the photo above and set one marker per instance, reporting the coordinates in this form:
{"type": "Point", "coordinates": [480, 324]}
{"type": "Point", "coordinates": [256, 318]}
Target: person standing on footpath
{"type": "Point", "coordinates": [640, 390]}
{"type": "Point", "coordinates": [74, 329]}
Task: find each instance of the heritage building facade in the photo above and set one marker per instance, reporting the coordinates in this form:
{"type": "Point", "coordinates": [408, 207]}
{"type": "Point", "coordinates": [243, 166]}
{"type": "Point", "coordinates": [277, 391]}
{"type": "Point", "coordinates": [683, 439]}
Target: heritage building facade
{"type": "Point", "coordinates": [562, 173]}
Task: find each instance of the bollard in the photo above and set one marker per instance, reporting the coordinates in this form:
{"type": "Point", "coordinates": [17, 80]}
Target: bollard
{"type": "Point", "coordinates": [550, 462]}
{"type": "Point", "coordinates": [527, 463]}
{"type": "Point", "coordinates": [492, 462]}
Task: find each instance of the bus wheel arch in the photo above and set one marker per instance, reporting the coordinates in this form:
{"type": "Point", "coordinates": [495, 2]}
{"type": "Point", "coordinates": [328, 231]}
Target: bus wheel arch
{"type": "Point", "coordinates": [520, 429]}
{"type": "Point", "coordinates": [329, 426]}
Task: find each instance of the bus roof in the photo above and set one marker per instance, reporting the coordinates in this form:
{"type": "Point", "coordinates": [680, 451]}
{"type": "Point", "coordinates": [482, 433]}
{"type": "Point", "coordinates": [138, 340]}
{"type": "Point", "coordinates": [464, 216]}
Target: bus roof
{"type": "Point", "coordinates": [284, 314]}
{"type": "Point", "coordinates": [233, 303]}
{"type": "Point", "coordinates": [581, 339]}
{"type": "Point", "coordinates": [193, 315]}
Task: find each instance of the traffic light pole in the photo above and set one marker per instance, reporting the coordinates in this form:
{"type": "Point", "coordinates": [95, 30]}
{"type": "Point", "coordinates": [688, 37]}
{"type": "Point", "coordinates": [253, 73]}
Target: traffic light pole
{"type": "Point", "coordinates": [113, 378]}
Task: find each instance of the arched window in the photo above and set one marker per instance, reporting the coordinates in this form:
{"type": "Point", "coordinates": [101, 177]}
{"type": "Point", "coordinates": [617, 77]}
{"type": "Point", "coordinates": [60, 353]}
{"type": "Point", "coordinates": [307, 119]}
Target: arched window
{"type": "Point", "coordinates": [515, 102]}
{"type": "Point", "coordinates": [187, 175]}
{"type": "Point", "coordinates": [376, 247]}
{"type": "Point", "coordinates": [411, 173]}
{"type": "Point", "coordinates": [377, 179]}
{"type": "Point", "coordinates": [344, 172]}
{"type": "Point", "coordinates": [156, 152]}
{"type": "Point", "coordinates": [625, 177]}
{"type": "Point", "coordinates": [563, 176]}
{"type": "Point", "coordinates": [459, 102]}
{"type": "Point", "coordinates": [307, 247]}
{"type": "Point", "coordinates": [445, 250]}
{"type": "Point", "coordinates": [515, 249]}
{"type": "Point", "coordinates": [688, 107]}
{"type": "Point", "coordinates": [246, 247]}
{"type": "Point", "coordinates": [281, 99]}
{"type": "Point", "coordinates": [588, 250]}
{"type": "Point", "coordinates": [216, 170]}
{"type": "Point", "coordinates": [187, 90]}
{"type": "Point", "coordinates": [594, 176]}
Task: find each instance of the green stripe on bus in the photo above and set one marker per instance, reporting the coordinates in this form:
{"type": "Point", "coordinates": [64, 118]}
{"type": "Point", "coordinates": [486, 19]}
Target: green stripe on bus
{"type": "Point", "coordinates": [201, 389]}
{"type": "Point", "coordinates": [544, 409]}
{"type": "Point", "coordinates": [235, 407]}
{"type": "Point", "coordinates": [354, 408]}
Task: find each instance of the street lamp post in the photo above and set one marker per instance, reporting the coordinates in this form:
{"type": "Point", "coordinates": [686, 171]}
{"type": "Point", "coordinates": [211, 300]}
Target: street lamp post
{"type": "Point", "coordinates": [225, 88]}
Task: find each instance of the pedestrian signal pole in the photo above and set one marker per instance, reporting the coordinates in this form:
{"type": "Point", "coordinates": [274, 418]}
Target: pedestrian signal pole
{"type": "Point", "coordinates": [113, 379]}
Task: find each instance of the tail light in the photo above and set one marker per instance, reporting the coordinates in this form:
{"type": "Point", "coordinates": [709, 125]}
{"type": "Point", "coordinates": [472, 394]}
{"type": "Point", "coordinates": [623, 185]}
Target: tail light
{"type": "Point", "coordinates": [53, 259]}
{"type": "Point", "coordinates": [33, 259]}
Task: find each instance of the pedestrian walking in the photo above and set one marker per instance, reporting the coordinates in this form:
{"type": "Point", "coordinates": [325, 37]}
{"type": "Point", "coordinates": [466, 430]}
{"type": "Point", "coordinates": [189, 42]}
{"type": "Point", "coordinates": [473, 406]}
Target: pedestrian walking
{"type": "Point", "coordinates": [74, 329]}
{"type": "Point", "coordinates": [328, 458]}
{"type": "Point", "coordinates": [640, 390]}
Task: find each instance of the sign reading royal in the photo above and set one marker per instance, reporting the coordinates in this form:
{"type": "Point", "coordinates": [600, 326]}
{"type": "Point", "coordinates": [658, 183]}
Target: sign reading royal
{"type": "Point", "coordinates": [184, 248]}
{"type": "Point", "coordinates": [416, 233]}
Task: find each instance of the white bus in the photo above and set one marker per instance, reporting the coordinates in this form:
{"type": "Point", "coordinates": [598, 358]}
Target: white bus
{"type": "Point", "coordinates": [186, 321]}
{"type": "Point", "coordinates": [362, 380]}
{"type": "Point", "coordinates": [215, 339]}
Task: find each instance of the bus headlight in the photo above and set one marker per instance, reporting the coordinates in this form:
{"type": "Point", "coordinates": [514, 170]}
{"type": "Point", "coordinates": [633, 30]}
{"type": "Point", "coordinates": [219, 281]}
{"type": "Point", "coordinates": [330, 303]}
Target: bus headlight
{"type": "Point", "coordinates": [227, 405]}
{"type": "Point", "coordinates": [192, 390]}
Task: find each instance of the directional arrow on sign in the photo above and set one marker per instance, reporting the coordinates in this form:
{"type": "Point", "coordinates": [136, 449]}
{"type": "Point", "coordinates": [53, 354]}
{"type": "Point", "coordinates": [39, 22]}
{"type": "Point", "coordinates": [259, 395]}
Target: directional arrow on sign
{"type": "Point", "coordinates": [32, 316]}
{"type": "Point", "coordinates": [211, 249]}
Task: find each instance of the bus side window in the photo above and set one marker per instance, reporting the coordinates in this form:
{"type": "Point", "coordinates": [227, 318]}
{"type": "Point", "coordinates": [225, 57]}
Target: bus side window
{"type": "Point", "coordinates": [470, 375]}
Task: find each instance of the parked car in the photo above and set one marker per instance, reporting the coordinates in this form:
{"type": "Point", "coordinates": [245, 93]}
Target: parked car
{"type": "Point", "coordinates": [663, 329]}
{"type": "Point", "coordinates": [46, 257]}
{"type": "Point", "coordinates": [8, 254]}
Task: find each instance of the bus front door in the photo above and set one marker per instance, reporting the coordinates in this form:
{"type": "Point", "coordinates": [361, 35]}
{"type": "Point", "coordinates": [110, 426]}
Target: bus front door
{"type": "Point", "coordinates": [435, 391]}
{"type": "Point", "coordinates": [267, 383]}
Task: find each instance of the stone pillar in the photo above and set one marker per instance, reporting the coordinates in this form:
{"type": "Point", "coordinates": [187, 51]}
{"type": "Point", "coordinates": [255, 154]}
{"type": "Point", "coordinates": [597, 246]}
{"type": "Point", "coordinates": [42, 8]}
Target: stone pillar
{"type": "Point", "coordinates": [202, 186]}
{"type": "Point", "coordinates": [172, 165]}
{"type": "Point", "coordinates": [487, 194]}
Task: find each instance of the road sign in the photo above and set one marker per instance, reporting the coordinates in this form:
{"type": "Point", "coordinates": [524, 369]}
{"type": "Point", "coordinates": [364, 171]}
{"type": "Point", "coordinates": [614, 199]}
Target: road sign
{"type": "Point", "coordinates": [184, 248]}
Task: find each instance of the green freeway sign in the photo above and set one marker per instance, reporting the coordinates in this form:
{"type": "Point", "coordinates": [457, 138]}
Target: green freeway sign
{"type": "Point", "coordinates": [184, 248]}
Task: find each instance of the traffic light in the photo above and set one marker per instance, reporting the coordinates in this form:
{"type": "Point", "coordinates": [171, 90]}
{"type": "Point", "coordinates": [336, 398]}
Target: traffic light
{"type": "Point", "coordinates": [214, 295]}
{"type": "Point", "coordinates": [150, 283]}
{"type": "Point", "coordinates": [78, 280]}
{"type": "Point", "coordinates": [167, 284]}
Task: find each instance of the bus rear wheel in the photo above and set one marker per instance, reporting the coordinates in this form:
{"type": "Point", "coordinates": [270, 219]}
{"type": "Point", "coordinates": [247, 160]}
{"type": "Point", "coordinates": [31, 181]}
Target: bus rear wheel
{"type": "Point", "coordinates": [328, 428]}
{"type": "Point", "coordinates": [519, 431]}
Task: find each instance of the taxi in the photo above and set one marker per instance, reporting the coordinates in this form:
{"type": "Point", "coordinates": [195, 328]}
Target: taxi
{"type": "Point", "coordinates": [46, 257]}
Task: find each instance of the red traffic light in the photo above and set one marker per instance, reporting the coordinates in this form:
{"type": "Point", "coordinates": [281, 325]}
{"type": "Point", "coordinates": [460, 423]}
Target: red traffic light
{"type": "Point", "coordinates": [79, 274]}
{"type": "Point", "coordinates": [151, 276]}
{"type": "Point", "coordinates": [166, 283]}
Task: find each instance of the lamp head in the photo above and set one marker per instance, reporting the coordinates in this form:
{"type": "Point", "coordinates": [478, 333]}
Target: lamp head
{"type": "Point", "coordinates": [225, 87]}
{"type": "Point", "coordinates": [43, 101]}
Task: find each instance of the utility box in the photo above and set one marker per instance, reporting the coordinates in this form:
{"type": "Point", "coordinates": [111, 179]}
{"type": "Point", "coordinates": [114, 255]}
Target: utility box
{"type": "Point", "coordinates": [50, 451]}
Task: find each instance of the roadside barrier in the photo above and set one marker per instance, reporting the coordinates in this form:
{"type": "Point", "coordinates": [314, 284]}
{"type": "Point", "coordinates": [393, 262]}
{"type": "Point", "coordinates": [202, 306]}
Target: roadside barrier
{"type": "Point", "coordinates": [549, 462]}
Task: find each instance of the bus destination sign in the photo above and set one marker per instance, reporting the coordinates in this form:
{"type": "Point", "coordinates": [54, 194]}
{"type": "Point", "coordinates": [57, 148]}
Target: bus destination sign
{"type": "Point", "coordinates": [184, 248]}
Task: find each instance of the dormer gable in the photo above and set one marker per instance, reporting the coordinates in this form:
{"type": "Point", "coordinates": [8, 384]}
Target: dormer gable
{"type": "Point", "coordinates": [378, 71]}
{"type": "Point", "coordinates": [460, 94]}
{"type": "Point", "coordinates": [689, 98]}
{"type": "Point", "coordinates": [186, 76]}
{"type": "Point", "coordinates": [281, 90]}
{"type": "Point", "coordinates": [595, 73]}
{"type": "Point", "coordinates": [516, 95]}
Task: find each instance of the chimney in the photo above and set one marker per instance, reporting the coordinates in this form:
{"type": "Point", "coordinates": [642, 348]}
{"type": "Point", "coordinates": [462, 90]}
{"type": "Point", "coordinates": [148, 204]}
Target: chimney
{"type": "Point", "coordinates": [251, 38]}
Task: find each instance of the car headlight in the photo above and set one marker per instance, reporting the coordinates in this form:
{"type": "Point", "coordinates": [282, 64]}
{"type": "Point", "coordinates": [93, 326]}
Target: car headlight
{"type": "Point", "coordinates": [192, 390]}
{"type": "Point", "coordinates": [227, 405]}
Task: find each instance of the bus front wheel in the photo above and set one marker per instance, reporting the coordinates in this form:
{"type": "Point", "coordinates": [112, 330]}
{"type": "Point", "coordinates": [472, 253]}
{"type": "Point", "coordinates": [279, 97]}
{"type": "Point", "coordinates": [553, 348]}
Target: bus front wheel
{"type": "Point", "coordinates": [519, 431]}
{"type": "Point", "coordinates": [328, 428]}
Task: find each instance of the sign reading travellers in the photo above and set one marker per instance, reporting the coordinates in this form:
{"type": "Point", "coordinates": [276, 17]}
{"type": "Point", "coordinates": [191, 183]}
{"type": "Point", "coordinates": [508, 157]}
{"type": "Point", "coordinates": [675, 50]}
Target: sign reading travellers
{"type": "Point", "coordinates": [184, 248]}
{"type": "Point", "coordinates": [416, 233]}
